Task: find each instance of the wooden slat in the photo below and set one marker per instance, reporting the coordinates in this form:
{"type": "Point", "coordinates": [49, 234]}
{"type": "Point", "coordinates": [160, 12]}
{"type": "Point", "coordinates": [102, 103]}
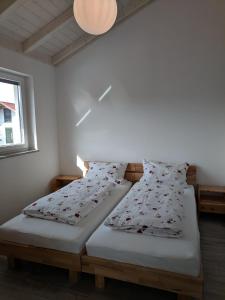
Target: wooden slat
{"type": "Point", "coordinates": [5, 6]}
{"type": "Point", "coordinates": [165, 280]}
{"type": "Point", "coordinates": [133, 7]}
{"type": "Point", "coordinates": [72, 48]}
{"type": "Point", "coordinates": [135, 167]}
{"type": "Point", "coordinates": [41, 255]}
{"type": "Point", "coordinates": [211, 199]}
{"type": "Point", "coordinates": [212, 206]}
{"type": "Point", "coordinates": [212, 189]}
{"type": "Point", "coordinates": [192, 175]}
{"type": "Point", "coordinates": [73, 276]}
{"type": "Point", "coordinates": [10, 44]}
{"type": "Point", "coordinates": [99, 282]}
{"type": "Point", "coordinates": [43, 34]}
{"type": "Point", "coordinates": [16, 46]}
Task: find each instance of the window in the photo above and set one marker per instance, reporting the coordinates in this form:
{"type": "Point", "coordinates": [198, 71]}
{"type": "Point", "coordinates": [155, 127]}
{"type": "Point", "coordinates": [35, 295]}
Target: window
{"type": "Point", "coordinates": [7, 115]}
{"type": "Point", "coordinates": [11, 111]}
{"type": "Point", "coordinates": [17, 120]}
{"type": "Point", "coordinates": [9, 135]}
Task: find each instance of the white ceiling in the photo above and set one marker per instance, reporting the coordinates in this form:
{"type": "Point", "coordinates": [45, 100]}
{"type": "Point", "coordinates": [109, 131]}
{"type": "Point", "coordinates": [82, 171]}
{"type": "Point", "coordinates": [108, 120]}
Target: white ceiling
{"type": "Point", "coordinates": [46, 29]}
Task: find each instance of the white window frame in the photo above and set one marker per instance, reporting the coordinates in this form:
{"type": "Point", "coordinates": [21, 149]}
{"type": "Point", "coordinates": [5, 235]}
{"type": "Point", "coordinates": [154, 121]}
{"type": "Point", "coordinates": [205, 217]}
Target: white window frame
{"type": "Point", "coordinates": [27, 114]}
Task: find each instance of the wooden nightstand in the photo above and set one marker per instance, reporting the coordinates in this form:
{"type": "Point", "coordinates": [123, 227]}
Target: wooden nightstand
{"type": "Point", "coordinates": [211, 199]}
{"type": "Point", "coordinates": [60, 181]}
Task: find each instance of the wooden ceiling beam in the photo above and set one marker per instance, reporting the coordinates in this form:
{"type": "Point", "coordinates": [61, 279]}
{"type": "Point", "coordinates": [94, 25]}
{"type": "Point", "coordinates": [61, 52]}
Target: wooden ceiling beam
{"type": "Point", "coordinates": [43, 34]}
{"type": "Point", "coordinates": [6, 6]}
{"type": "Point", "coordinates": [17, 47]}
{"type": "Point", "coordinates": [72, 48]}
{"type": "Point", "coordinates": [131, 8]}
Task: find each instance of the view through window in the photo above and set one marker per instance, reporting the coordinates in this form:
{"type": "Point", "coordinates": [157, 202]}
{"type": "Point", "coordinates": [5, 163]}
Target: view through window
{"type": "Point", "coordinates": [11, 118]}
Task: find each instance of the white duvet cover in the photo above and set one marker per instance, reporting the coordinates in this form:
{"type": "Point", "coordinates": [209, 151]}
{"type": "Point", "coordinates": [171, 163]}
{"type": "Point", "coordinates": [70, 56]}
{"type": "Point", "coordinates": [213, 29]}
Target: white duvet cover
{"type": "Point", "coordinates": [60, 236]}
{"type": "Point", "coordinates": [151, 209]}
{"type": "Point", "coordinates": [174, 255]}
{"type": "Point", "coordinates": [72, 203]}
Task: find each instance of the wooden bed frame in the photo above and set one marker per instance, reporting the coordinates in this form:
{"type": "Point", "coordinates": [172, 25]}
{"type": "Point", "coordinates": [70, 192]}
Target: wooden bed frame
{"type": "Point", "coordinates": [65, 260]}
{"type": "Point", "coordinates": [184, 286]}
{"type": "Point", "coordinates": [51, 257]}
{"type": "Point", "coordinates": [46, 256]}
{"type": "Point", "coordinates": [75, 263]}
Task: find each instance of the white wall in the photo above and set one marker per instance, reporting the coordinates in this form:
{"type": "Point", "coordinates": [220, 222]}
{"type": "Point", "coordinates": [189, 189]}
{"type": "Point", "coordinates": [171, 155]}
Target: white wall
{"type": "Point", "coordinates": [166, 66]}
{"type": "Point", "coordinates": [24, 178]}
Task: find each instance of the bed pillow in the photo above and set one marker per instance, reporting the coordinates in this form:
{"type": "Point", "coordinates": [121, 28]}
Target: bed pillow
{"type": "Point", "coordinates": [165, 173]}
{"type": "Point", "coordinates": [107, 170]}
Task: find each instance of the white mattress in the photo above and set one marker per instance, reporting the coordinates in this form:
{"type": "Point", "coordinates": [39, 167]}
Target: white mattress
{"type": "Point", "coordinates": [59, 236]}
{"type": "Point", "coordinates": [180, 255]}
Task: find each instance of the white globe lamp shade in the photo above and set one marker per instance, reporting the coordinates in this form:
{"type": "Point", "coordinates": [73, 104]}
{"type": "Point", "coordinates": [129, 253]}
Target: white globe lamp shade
{"type": "Point", "coordinates": [95, 16]}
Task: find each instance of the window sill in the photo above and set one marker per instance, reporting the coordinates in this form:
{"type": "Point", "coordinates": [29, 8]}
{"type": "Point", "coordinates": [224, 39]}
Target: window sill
{"type": "Point", "coordinates": [18, 153]}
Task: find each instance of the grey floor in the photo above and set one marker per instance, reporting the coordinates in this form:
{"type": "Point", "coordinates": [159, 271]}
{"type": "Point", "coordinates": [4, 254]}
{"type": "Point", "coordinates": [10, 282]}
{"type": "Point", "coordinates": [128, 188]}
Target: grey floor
{"type": "Point", "coordinates": [37, 282]}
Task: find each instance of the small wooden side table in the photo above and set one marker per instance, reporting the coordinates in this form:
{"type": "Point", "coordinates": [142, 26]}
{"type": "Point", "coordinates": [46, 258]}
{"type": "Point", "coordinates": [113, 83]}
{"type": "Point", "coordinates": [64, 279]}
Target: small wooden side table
{"type": "Point", "coordinates": [211, 199]}
{"type": "Point", "coordinates": [61, 180]}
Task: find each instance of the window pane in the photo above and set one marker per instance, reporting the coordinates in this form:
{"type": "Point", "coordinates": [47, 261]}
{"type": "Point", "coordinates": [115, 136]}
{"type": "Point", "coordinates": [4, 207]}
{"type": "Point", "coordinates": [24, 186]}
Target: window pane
{"type": "Point", "coordinates": [9, 135]}
{"type": "Point", "coordinates": [11, 119]}
{"type": "Point", "coordinates": [7, 115]}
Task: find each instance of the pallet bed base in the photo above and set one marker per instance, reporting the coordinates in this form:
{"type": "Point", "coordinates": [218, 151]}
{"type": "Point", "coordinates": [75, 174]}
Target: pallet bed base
{"type": "Point", "coordinates": [51, 257]}
{"type": "Point", "coordinates": [185, 286]}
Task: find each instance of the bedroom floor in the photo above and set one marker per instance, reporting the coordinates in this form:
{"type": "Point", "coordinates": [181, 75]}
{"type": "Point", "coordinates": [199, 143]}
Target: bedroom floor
{"type": "Point", "coordinates": [37, 282]}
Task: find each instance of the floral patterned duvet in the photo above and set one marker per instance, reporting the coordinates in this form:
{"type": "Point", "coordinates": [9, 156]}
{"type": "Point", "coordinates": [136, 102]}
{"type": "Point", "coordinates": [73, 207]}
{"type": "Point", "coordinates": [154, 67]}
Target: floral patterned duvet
{"type": "Point", "coordinates": [150, 208]}
{"type": "Point", "coordinates": [72, 203]}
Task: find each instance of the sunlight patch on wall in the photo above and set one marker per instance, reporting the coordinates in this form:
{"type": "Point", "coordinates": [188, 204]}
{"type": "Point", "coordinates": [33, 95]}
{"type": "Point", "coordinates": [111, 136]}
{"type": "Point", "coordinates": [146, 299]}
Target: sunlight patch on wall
{"type": "Point", "coordinates": [105, 93]}
{"type": "Point", "coordinates": [83, 118]}
{"type": "Point", "coordinates": [80, 165]}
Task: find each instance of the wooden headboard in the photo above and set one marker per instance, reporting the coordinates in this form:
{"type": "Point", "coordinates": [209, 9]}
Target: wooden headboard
{"type": "Point", "coordinates": [135, 171]}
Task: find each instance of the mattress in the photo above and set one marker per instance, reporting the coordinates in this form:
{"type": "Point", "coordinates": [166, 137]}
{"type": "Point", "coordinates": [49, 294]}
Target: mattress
{"type": "Point", "coordinates": [180, 255]}
{"type": "Point", "coordinates": [49, 234]}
